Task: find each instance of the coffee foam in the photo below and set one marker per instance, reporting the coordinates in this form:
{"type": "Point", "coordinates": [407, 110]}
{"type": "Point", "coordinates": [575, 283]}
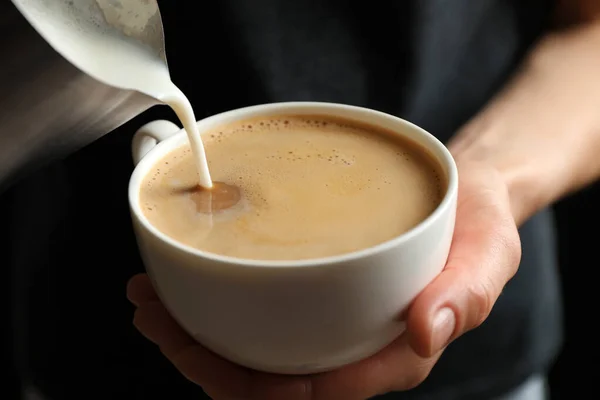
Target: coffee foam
{"type": "Point", "coordinates": [311, 187]}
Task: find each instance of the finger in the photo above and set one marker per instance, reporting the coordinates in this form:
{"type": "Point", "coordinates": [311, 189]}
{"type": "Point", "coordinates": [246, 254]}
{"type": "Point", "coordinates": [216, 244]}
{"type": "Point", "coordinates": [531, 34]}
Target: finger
{"type": "Point", "coordinates": [397, 367]}
{"type": "Point", "coordinates": [485, 254]}
{"type": "Point", "coordinates": [140, 290]}
{"type": "Point", "coordinates": [157, 325]}
{"type": "Point", "coordinates": [218, 377]}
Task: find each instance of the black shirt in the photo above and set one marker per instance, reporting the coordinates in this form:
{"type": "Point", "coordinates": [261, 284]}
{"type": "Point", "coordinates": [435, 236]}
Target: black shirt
{"type": "Point", "coordinates": [432, 62]}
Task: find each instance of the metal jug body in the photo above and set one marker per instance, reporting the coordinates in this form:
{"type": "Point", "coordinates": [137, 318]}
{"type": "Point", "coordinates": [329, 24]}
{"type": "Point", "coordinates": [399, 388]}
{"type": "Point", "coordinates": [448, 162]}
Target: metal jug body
{"type": "Point", "coordinates": [49, 107]}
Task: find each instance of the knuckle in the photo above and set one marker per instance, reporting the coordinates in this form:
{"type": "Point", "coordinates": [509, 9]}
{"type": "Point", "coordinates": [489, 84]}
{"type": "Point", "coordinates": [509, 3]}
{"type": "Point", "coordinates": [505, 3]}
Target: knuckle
{"type": "Point", "coordinates": [417, 376]}
{"type": "Point", "coordinates": [510, 248]}
{"type": "Point", "coordinates": [506, 258]}
{"type": "Point", "coordinates": [514, 252]}
{"type": "Point", "coordinates": [415, 380]}
{"type": "Point", "coordinates": [482, 297]}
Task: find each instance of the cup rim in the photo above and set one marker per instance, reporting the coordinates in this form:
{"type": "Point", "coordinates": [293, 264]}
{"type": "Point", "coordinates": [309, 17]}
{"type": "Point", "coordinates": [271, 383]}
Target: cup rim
{"type": "Point", "coordinates": [442, 155]}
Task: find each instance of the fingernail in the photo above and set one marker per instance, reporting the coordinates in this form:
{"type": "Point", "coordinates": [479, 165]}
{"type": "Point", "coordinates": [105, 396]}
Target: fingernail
{"type": "Point", "coordinates": [444, 323]}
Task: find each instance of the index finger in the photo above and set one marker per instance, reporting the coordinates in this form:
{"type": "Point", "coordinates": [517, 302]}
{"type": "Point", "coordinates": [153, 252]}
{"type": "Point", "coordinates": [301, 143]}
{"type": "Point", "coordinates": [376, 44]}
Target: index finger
{"type": "Point", "coordinates": [140, 290]}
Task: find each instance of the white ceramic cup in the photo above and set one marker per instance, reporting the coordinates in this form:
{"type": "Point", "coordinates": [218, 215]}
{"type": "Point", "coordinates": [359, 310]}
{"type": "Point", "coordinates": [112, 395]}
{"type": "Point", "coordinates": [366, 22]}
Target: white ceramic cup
{"type": "Point", "coordinates": [293, 317]}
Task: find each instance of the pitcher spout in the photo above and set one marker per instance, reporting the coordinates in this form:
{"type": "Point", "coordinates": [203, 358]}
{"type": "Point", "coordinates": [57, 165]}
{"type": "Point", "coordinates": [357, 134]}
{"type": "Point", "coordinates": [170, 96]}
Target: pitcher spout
{"type": "Point", "coordinates": [50, 107]}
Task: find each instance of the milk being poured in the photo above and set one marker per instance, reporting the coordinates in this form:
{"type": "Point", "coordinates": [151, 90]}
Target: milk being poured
{"type": "Point", "coordinates": [110, 41]}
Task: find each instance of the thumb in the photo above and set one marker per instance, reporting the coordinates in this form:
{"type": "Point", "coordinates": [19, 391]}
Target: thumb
{"type": "Point", "coordinates": [485, 254]}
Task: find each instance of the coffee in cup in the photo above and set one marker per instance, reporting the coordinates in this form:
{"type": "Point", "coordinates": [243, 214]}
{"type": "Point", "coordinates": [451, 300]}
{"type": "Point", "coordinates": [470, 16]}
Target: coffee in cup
{"type": "Point", "coordinates": [293, 187]}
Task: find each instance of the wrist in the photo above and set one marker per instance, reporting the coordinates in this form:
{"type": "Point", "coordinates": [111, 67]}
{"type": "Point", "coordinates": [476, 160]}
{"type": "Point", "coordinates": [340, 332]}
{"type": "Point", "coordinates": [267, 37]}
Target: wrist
{"type": "Point", "coordinates": [542, 131]}
{"type": "Point", "coordinates": [526, 191]}
{"type": "Point", "coordinates": [529, 186]}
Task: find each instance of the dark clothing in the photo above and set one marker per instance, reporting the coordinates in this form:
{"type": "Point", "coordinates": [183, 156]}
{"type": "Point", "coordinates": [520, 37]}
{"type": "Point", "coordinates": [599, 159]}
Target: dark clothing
{"type": "Point", "coordinates": [432, 62]}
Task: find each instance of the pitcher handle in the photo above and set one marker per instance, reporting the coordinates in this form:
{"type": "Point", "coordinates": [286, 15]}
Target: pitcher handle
{"type": "Point", "coordinates": [149, 136]}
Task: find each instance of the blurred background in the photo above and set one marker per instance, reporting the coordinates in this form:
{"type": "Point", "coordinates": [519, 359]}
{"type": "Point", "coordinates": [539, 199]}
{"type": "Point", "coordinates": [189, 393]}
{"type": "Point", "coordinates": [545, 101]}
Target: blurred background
{"type": "Point", "coordinates": [577, 219]}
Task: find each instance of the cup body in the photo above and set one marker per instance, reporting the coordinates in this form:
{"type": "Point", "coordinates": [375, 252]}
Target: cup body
{"type": "Point", "coordinates": [294, 317]}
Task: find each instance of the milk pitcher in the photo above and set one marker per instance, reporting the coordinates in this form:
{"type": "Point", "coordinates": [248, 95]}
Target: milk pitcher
{"type": "Point", "coordinates": [49, 106]}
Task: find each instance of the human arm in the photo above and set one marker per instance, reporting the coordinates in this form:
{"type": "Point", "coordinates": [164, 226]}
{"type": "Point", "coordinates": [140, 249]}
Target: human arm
{"type": "Point", "coordinates": [512, 162]}
{"type": "Point", "coordinates": [540, 137]}
{"type": "Point", "coordinates": [542, 132]}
